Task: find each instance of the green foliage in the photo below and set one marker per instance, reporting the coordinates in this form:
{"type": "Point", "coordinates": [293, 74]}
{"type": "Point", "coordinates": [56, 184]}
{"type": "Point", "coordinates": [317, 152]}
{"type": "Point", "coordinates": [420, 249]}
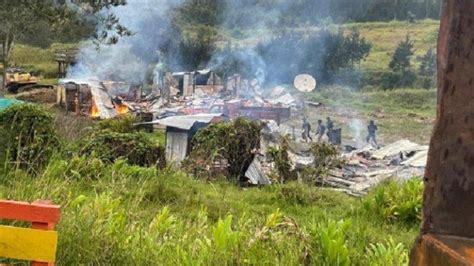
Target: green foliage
{"type": "Point", "coordinates": [401, 74]}
{"type": "Point", "coordinates": [427, 70]}
{"type": "Point", "coordinates": [331, 237]}
{"type": "Point", "coordinates": [324, 54]}
{"type": "Point", "coordinates": [117, 138]}
{"type": "Point", "coordinates": [396, 202]}
{"type": "Point", "coordinates": [390, 253]}
{"type": "Point", "coordinates": [233, 142]}
{"type": "Point", "coordinates": [401, 59]}
{"type": "Point", "coordinates": [326, 157]}
{"type": "Point", "coordinates": [279, 156]}
{"type": "Point", "coordinates": [28, 135]}
{"type": "Point", "coordinates": [123, 214]}
{"type": "Point", "coordinates": [225, 239]}
{"type": "Point", "coordinates": [119, 124]}
{"type": "Point", "coordinates": [136, 148]}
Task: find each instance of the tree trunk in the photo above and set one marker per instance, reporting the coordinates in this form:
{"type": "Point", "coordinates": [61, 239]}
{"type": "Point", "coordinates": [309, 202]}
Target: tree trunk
{"type": "Point", "coordinates": [7, 46]}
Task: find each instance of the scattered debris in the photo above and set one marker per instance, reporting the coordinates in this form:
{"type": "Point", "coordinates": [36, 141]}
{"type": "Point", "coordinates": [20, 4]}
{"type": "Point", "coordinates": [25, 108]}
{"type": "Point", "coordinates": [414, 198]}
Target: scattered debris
{"type": "Point", "coordinates": [255, 174]}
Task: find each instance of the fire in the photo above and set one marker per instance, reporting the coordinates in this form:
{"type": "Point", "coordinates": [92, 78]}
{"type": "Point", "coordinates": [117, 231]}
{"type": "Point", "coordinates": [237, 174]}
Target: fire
{"type": "Point", "coordinates": [121, 108]}
{"type": "Point", "coordinates": [94, 109]}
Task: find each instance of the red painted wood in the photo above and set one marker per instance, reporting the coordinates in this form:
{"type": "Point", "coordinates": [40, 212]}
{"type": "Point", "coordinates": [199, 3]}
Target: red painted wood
{"type": "Point", "coordinates": [35, 212]}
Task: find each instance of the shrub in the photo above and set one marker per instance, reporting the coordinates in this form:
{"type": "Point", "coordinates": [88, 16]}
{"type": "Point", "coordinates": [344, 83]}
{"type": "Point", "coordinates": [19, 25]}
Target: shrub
{"type": "Point", "coordinates": [118, 139]}
{"type": "Point", "coordinates": [28, 136]}
{"type": "Point", "coordinates": [396, 202]}
{"type": "Point", "coordinates": [136, 148]}
{"type": "Point", "coordinates": [233, 142]}
{"type": "Point", "coordinates": [279, 156]}
{"type": "Point", "coordinates": [389, 253]}
{"type": "Point", "coordinates": [119, 124]}
{"type": "Point", "coordinates": [326, 157]}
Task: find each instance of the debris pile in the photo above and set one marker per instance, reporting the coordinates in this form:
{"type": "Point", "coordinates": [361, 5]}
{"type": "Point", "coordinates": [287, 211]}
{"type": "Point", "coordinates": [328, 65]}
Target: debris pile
{"type": "Point", "coordinates": [368, 166]}
{"type": "Point", "coordinates": [179, 93]}
{"type": "Point", "coordinates": [362, 169]}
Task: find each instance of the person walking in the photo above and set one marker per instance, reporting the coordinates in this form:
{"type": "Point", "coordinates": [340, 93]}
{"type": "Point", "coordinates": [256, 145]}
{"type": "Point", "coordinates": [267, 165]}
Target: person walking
{"type": "Point", "coordinates": [306, 130]}
{"type": "Point", "coordinates": [372, 132]}
{"type": "Point", "coordinates": [321, 130]}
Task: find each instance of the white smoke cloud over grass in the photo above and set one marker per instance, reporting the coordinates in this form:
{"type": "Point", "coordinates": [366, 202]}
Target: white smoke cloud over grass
{"type": "Point", "coordinates": [263, 20]}
{"type": "Point", "coordinates": [129, 59]}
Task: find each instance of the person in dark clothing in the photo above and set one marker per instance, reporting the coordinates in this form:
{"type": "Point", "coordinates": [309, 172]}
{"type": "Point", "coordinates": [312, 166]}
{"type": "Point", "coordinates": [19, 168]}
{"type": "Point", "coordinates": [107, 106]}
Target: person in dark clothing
{"type": "Point", "coordinates": [306, 130]}
{"type": "Point", "coordinates": [372, 130]}
{"type": "Point", "coordinates": [321, 130]}
{"type": "Point", "coordinates": [330, 128]}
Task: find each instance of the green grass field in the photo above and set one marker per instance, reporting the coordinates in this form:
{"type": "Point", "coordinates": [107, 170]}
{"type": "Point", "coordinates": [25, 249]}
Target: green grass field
{"type": "Point", "coordinates": [121, 214]}
{"type": "Point", "coordinates": [385, 37]}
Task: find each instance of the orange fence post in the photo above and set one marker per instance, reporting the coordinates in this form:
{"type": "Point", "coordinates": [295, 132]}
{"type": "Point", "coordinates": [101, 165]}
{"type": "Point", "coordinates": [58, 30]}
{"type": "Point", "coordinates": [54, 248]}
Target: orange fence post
{"type": "Point", "coordinates": [37, 244]}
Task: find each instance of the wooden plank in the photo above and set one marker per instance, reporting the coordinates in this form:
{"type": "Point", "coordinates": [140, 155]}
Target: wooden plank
{"type": "Point", "coordinates": [28, 244]}
{"type": "Point", "coordinates": [24, 211]}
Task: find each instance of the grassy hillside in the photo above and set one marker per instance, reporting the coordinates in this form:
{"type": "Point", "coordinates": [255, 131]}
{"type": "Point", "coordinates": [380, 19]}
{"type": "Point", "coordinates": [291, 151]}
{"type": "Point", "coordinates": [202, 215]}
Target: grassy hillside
{"type": "Point", "coordinates": [38, 59]}
{"type": "Point", "coordinates": [385, 37]}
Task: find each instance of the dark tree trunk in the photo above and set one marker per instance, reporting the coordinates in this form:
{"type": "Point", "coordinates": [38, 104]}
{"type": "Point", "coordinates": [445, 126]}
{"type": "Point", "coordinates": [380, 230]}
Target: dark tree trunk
{"type": "Point", "coordinates": [448, 209]}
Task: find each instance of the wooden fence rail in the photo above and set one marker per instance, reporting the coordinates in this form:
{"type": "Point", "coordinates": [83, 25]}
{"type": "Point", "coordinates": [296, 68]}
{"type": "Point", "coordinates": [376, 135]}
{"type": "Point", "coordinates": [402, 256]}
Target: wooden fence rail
{"type": "Point", "coordinates": [38, 243]}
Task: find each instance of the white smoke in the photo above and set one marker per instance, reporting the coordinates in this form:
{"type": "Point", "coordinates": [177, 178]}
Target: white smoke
{"type": "Point", "coordinates": [129, 59]}
{"type": "Point", "coordinates": [356, 126]}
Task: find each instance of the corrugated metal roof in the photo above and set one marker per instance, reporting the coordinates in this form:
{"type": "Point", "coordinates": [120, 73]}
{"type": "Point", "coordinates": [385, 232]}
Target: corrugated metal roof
{"type": "Point", "coordinates": [395, 148]}
{"type": "Point", "coordinates": [103, 102]}
{"type": "Point", "coordinates": [255, 174]}
{"type": "Point", "coordinates": [186, 122]}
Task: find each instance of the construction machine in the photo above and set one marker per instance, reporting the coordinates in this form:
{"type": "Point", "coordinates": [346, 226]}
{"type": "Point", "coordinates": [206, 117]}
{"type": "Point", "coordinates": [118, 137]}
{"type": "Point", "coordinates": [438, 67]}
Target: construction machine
{"type": "Point", "coordinates": [19, 80]}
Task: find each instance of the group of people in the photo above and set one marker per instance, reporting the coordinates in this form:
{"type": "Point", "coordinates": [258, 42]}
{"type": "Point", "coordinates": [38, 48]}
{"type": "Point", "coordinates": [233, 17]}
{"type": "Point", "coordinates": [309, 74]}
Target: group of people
{"type": "Point", "coordinates": [328, 129]}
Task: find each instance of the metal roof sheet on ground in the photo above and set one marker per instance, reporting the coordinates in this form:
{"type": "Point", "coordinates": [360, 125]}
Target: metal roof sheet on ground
{"type": "Point", "coordinates": [255, 174]}
{"type": "Point", "coordinates": [103, 103]}
{"type": "Point", "coordinates": [186, 122]}
{"type": "Point", "coordinates": [395, 148]}
{"type": "Point", "coordinates": [418, 160]}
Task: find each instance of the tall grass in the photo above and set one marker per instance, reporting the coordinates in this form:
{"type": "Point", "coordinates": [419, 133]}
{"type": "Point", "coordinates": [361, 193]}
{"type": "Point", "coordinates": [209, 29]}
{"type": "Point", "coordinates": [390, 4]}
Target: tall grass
{"type": "Point", "coordinates": [122, 214]}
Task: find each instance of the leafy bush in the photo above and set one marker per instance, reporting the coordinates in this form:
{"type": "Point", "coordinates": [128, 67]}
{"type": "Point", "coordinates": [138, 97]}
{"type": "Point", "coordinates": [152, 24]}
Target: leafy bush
{"type": "Point", "coordinates": [397, 202]}
{"type": "Point", "coordinates": [326, 157]}
{"type": "Point", "coordinates": [387, 254]}
{"type": "Point", "coordinates": [279, 156]}
{"type": "Point", "coordinates": [231, 142]}
{"type": "Point", "coordinates": [332, 242]}
{"type": "Point", "coordinates": [119, 124]}
{"type": "Point", "coordinates": [28, 136]}
{"type": "Point", "coordinates": [136, 148]}
{"type": "Point", "coordinates": [118, 139]}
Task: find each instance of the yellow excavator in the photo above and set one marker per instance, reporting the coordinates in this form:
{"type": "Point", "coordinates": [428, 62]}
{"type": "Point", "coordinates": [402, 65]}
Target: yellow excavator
{"type": "Point", "coordinates": [19, 80]}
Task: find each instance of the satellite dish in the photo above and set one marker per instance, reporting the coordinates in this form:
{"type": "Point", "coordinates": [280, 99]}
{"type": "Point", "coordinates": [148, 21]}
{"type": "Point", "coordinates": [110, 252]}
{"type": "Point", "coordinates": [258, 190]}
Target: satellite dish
{"type": "Point", "coordinates": [305, 83]}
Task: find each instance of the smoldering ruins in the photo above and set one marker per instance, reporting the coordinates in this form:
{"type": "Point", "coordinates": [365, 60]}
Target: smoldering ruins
{"type": "Point", "coordinates": [135, 77]}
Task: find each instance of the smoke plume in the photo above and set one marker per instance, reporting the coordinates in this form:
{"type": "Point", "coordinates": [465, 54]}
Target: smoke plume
{"type": "Point", "coordinates": [129, 59]}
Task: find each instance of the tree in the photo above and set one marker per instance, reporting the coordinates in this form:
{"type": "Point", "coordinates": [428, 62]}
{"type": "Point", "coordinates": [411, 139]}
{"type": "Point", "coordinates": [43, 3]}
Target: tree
{"type": "Point", "coordinates": [401, 74]}
{"type": "Point", "coordinates": [401, 59]}
{"type": "Point", "coordinates": [19, 20]}
{"type": "Point", "coordinates": [427, 70]}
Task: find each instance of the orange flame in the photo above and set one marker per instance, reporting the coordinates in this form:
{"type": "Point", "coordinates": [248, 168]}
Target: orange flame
{"type": "Point", "coordinates": [94, 109]}
{"type": "Point", "coordinates": [121, 108]}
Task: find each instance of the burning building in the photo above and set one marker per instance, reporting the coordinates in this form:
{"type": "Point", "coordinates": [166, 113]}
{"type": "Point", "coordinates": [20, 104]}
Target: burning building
{"type": "Point", "coordinates": [95, 99]}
